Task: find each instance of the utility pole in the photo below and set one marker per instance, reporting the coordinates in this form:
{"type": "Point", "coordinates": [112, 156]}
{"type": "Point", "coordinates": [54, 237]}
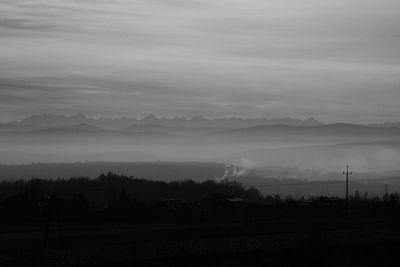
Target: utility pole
{"type": "Point", "coordinates": [347, 173]}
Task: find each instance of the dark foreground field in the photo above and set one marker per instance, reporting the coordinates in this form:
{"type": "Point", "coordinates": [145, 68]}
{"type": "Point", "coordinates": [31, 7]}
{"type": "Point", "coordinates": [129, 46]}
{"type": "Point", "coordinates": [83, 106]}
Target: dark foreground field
{"type": "Point", "coordinates": [336, 242]}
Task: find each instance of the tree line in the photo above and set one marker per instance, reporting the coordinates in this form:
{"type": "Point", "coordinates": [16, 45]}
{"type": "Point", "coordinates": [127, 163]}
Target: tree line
{"type": "Point", "coordinates": [117, 197]}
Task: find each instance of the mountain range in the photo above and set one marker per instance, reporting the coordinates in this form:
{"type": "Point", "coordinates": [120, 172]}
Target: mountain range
{"type": "Point", "coordinates": [223, 128]}
{"type": "Point", "coordinates": [51, 121]}
{"type": "Point", "coordinates": [55, 121]}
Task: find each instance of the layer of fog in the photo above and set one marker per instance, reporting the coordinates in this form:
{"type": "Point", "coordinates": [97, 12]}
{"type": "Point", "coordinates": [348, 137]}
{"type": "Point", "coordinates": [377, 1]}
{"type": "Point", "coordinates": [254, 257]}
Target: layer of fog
{"type": "Point", "coordinates": [365, 157]}
{"type": "Point", "coordinates": [329, 153]}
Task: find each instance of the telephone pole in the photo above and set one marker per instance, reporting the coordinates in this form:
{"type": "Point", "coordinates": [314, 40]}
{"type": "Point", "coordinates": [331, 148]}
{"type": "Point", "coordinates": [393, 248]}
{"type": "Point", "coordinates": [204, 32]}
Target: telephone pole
{"type": "Point", "coordinates": [347, 173]}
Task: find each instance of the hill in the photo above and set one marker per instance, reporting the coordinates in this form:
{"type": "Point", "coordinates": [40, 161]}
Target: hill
{"type": "Point", "coordinates": [148, 170]}
{"type": "Point", "coordinates": [330, 130]}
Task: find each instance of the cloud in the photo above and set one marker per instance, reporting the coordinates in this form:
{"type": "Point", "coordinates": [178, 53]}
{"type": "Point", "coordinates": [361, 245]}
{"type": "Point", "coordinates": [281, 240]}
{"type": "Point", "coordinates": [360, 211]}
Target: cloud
{"type": "Point", "coordinates": [9, 99]}
{"type": "Point", "coordinates": [336, 60]}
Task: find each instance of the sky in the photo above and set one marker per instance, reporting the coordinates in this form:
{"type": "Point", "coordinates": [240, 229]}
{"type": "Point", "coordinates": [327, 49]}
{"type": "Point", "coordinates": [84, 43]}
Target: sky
{"type": "Point", "coordinates": [336, 60]}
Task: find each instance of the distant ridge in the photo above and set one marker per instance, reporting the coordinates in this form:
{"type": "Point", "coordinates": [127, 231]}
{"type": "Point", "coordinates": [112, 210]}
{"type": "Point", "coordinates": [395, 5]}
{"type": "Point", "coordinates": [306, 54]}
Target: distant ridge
{"type": "Point", "coordinates": [337, 129]}
{"type": "Point", "coordinates": [74, 128]}
{"type": "Point", "coordinates": [56, 121]}
{"type": "Point", "coordinates": [386, 124]}
{"type": "Point", "coordinates": [51, 121]}
{"type": "Point", "coordinates": [231, 128]}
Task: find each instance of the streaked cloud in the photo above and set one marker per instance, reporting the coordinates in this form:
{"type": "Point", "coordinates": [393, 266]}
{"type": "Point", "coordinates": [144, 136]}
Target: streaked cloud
{"type": "Point", "coordinates": [336, 60]}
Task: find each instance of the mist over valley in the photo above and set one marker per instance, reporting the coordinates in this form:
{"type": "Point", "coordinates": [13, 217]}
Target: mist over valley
{"type": "Point", "coordinates": [277, 151]}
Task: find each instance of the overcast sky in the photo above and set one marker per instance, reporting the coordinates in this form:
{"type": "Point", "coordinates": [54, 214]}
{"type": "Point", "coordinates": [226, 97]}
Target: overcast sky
{"type": "Point", "coordinates": [337, 60]}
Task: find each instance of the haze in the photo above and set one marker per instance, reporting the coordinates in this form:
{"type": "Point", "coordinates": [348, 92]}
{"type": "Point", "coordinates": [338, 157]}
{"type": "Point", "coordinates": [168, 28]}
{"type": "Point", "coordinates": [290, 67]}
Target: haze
{"type": "Point", "coordinates": [296, 70]}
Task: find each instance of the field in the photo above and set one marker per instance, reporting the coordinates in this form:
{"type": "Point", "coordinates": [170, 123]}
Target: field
{"type": "Point", "coordinates": [276, 243]}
